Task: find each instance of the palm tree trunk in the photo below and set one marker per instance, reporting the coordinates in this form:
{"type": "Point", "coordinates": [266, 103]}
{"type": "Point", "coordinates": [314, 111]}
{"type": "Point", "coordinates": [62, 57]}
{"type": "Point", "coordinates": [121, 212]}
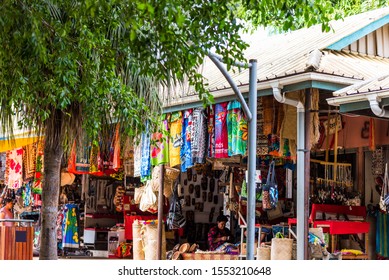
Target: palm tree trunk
{"type": "Point", "coordinates": [53, 153]}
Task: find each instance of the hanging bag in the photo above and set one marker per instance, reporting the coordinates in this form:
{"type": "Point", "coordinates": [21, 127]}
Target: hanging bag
{"type": "Point", "coordinates": [175, 219]}
{"type": "Point", "coordinates": [384, 198]}
{"type": "Point", "coordinates": [270, 190]}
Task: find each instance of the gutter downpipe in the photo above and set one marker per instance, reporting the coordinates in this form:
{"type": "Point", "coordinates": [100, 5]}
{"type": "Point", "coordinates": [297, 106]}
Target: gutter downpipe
{"type": "Point", "coordinates": [374, 101]}
{"type": "Point", "coordinates": [251, 114]}
{"type": "Point", "coordinates": [302, 221]}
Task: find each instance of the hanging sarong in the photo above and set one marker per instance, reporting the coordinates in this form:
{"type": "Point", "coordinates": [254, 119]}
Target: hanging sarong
{"type": "Point", "coordinates": [14, 173]}
{"type": "Point", "coordinates": [145, 168]}
{"type": "Point", "coordinates": [186, 152]}
{"type": "Point", "coordinates": [221, 133]}
{"type": "Point", "coordinates": [199, 136]}
{"type": "Point", "coordinates": [159, 145]}
{"type": "Point", "coordinates": [211, 131]}
{"type": "Point", "coordinates": [175, 142]}
{"type": "Point", "coordinates": [70, 227]}
{"type": "Point", "coordinates": [382, 234]}
{"type": "Point", "coordinates": [237, 129]}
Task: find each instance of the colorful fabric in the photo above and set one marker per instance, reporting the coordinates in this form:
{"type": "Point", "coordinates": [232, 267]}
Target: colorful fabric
{"type": "Point", "coordinates": [211, 131]}
{"type": "Point", "coordinates": [237, 129]}
{"type": "Point", "coordinates": [145, 168]}
{"type": "Point", "coordinates": [216, 232]}
{"type": "Point", "coordinates": [175, 141]}
{"type": "Point", "coordinates": [221, 131]}
{"type": "Point", "coordinates": [3, 160]}
{"type": "Point", "coordinates": [382, 234]}
{"type": "Point", "coordinates": [186, 152]}
{"type": "Point", "coordinates": [199, 136]}
{"type": "Point", "coordinates": [29, 161]}
{"type": "Point", "coordinates": [159, 145]}
{"type": "Point", "coordinates": [137, 156]}
{"type": "Point", "coordinates": [14, 173]}
{"type": "Point", "coordinates": [70, 227]}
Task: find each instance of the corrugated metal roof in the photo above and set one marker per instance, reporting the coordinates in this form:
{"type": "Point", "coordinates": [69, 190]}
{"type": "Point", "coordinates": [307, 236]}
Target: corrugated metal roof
{"type": "Point", "coordinates": [284, 55]}
{"type": "Point", "coordinates": [372, 85]}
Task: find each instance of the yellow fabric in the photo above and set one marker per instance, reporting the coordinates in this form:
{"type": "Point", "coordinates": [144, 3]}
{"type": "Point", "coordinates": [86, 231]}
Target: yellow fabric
{"type": "Point", "coordinates": [6, 145]}
{"type": "Point", "coordinates": [175, 140]}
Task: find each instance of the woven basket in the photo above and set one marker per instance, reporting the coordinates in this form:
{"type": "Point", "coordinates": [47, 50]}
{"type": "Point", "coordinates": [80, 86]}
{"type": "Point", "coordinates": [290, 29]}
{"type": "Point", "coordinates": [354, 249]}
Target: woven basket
{"type": "Point", "coordinates": [281, 248]}
{"type": "Point", "coordinates": [263, 252]}
{"type": "Point", "coordinates": [171, 173]}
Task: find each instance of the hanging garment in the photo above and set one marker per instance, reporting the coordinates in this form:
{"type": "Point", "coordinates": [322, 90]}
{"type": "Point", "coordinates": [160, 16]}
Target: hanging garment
{"type": "Point", "coordinates": [382, 234]}
{"type": "Point", "coordinates": [137, 156]}
{"type": "Point", "coordinates": [175, 141]}
{"type": "Point", "coordinates": [70, 227]}
{"type": "Point", "coordinates": [159, 145]}
{"type": "Point", "coordinates": [14, 173]}
{"type": "Point", "coordinates": [221, 132]}
{"type": "Point", "coordinates": [237, 129]}
{"type": "Point", "coordinates": [29, 161]}
{"type": "Point", "coordinates": [199, 136]}
{"type": "Point", "coordinates": [3, 160]}
{"type": "Point", "coordinates": [186, 151]}
{"type": "Point", "coordinates": [145, 168]}
{"type": "Point", "coordinates": [211, 131]}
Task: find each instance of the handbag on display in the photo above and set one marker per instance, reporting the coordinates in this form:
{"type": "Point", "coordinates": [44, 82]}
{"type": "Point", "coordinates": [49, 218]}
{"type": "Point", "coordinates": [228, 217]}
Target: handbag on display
{"type": "Point", "coordinates": [270, 190]}
{"type": "Point", "coordinates": [175, 218]}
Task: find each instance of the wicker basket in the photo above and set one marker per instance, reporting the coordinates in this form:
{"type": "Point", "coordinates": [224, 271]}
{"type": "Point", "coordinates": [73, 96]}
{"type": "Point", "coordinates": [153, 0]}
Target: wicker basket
{"type": "Point", "coordinates": [171, 173]}
{"type": "Point", "coordinates": [281, 248]}
{"type": "Point", "coordinates": [263, 252]}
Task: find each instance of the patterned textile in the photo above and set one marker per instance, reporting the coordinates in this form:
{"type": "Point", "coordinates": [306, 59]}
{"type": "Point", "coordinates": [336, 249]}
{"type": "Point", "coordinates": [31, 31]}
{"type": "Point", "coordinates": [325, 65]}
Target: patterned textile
{"type": "Point", "coordinates": [14, 171]}
{"type": "Point", "coordinates": [186, 152]}
{"type": "Point", "coordinates": [221, 133]}
{"type": "Point", "coordinates": [211, 131]}
{"type": "Point", "coordinates": [237, 129]}
{"type": "Point", "coordinates": [159, 145]}
{"type": "Point", "coordinates": [382, 234]}
{"type": "Point", "coordinates": [175, 141]}
{"type": "Point", "coordinates": [29, 161]}
{"type": "Point", "coordinates": [3, 160]}
{"type": "Point", "coordinates": [145, 167]}
{"type": "Point", "coordinates": [199, 136]}
{"type": "Point", "coordinates": [137, 157]}
{"type": "Point", "coordinates": [70, 227]}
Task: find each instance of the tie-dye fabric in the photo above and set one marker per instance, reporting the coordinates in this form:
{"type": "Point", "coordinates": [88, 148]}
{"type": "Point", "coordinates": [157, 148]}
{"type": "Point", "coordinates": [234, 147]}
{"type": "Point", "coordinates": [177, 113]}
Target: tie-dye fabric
{"type": "Point", "coordinates": [237, 129]}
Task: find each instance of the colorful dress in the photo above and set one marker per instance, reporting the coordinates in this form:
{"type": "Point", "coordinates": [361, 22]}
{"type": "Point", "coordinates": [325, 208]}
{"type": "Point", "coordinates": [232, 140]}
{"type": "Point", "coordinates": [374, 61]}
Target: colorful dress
{"type": "Point", "coordinates": [199, 136]}
{"type": "Point", "coordinates": [221, 133]}
{"type": "Point", "coordinates": [175, 141]}
{"type": "Point", "coordinates": [186, 152]}
{"type": "Point", "coordinates": [237, 129]}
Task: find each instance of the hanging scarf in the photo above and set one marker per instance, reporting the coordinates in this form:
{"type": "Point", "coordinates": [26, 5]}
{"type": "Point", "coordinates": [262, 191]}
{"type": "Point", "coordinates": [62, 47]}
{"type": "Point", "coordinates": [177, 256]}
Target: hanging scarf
{"type": "Point", "coordinates": [199, 136]}
{"type": "Point", "coordinates": [137, 156]}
